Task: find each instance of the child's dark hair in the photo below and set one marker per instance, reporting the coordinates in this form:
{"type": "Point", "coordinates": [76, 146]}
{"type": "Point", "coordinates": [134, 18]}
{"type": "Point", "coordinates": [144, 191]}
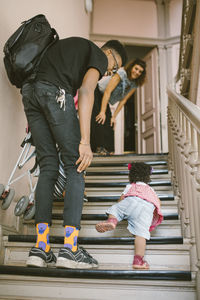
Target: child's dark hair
{"type": "Point", "coordinates": [139, 171]}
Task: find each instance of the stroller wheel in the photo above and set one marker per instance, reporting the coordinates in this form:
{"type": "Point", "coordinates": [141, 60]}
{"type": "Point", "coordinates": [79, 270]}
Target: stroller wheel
{"type": "Point", "coordinates": [85, 198]}
{"type": "Point", "coordinates": [21, 206]}
{"type": "Point", "coordinates": [30, 212]}
{"type": "Point", "coordinates": [8, 199]}
{"type": "Point", "coordinates": [1, 189]}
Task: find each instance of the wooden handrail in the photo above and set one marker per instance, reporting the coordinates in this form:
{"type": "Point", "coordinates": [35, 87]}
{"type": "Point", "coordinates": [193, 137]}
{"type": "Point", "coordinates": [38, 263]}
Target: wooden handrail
{"type": "Point", "coordinates": [189, 108]}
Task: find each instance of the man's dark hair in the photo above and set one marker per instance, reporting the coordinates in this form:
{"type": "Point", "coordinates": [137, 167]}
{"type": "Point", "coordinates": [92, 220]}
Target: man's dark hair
{"type": "Point", "coordinates": [117, 47]}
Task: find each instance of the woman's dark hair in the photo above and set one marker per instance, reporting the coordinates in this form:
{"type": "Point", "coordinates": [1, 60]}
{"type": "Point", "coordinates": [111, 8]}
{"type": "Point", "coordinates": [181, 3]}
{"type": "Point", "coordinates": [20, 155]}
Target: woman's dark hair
{"type": "Point", "coordinates": [117, 47]}
{"type": "Point", "coordinates": [140, 80]}
{"type": "Point", "coordinates": [139, 171]}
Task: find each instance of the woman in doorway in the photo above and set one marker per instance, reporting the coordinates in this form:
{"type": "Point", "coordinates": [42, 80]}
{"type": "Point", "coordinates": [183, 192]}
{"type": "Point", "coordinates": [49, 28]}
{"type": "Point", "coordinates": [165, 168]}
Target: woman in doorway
{"type": "Point", "coordinates": [118, 88]}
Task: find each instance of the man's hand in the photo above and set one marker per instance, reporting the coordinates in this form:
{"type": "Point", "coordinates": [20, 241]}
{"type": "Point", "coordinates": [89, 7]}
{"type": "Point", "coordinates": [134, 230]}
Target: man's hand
{"type": "Point", "coordinates": [101, 117]}
{"type": "Point", "coordinates": [85, 157]}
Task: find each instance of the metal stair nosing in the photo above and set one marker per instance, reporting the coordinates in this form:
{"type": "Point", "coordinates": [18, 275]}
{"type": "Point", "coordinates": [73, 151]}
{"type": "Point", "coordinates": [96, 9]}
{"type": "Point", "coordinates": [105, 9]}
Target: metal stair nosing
{"type": "Point", "coordinates": [123, 184]}
{"type": "Point", "coordinates": [98, 274]}
{"type": "Point", "coordinates": [101, 217]}
{"type": "Point", "coordinates": [99, 240]}
{"type": "Point", "coordinates": [104, 172]}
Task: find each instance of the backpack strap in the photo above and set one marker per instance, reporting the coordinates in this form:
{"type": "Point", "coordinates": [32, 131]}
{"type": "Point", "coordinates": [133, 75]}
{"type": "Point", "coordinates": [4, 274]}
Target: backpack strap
{"type": "Point", "coordinates": [33, 75]}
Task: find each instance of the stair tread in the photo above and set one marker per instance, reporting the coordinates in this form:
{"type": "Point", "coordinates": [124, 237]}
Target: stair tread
{"type": "Point", "coordinates": [133, 154]}
{"type": "Point", "coordinates": [113, 183]}
{"type": "Point", "coordinates": [113, 197]}
{"type": "Point", "coordinates": [104, 172]}
{"type": "Point", "coordinates": [98, 273]}
{"type": "Point", "coordinates": [108, 163]}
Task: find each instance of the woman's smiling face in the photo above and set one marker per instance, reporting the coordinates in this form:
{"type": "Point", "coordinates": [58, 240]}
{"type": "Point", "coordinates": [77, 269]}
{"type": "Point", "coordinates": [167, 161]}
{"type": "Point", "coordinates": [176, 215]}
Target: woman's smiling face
{"type": "Point", "coordinates": [136, 71]}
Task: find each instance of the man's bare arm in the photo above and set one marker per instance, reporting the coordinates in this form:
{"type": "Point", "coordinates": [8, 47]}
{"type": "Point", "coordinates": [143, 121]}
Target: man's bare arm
{"type": "Point", "coordinates": [85, 105]}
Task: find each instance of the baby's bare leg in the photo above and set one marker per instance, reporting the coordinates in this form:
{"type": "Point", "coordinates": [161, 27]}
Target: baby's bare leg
{"type": "Point", "coordinates": [138, 261]}
{"type": "Point", "coordinates": [140, 245]}
{"type": "Point", "coordinates": [111, 216]}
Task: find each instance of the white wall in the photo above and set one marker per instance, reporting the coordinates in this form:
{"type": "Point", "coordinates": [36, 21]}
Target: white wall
{"type": "Point", "coordinates": [127, 18]}
{"type": "Point", "coordinates": [70, 19]}
{"type": "Point", "coordinates": [175, 16]}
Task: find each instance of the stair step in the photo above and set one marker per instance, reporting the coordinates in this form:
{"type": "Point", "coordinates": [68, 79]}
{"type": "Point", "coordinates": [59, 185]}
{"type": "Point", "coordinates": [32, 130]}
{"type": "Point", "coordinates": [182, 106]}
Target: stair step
{"type": "Point", "coordinates": [104, 172]}
{"type": "Point", "coordinates": [115, 198]}
{"type": "Point", "coordinates": [110, 163]}
{"type": "Point", "coordinates": [117, 190]}
{"type": "Point", "coordinates": [167, 227]}
{"type": "Point", "coordinates": [66, 288]}
{"type": "Point", "coordinates": [168, 207]}
{"type": "Point", "coordinates": [99, 240]}
{"type": "Point", "coordinates": [97, 274]}
{"type": "Point", "coordinates": [126, 155]}
{"type": "Point", "coordinates": [100, 217]}
{"type": "Point", "coordinates": [160, 256]}
{"type": "Point", "coordinates": [123, 184]}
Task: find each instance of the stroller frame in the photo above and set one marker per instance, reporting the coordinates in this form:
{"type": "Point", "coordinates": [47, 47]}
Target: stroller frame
{"type": "Point", "coordinates": [6, 192]}
{"type": "Point", "coordinates": [26, 204]}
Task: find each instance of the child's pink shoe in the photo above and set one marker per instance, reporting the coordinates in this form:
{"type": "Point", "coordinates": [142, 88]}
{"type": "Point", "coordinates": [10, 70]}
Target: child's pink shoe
{"type": "Point", "coordinates": [140, 263]}
{"type": "Point", "coordinates": [107, 225]}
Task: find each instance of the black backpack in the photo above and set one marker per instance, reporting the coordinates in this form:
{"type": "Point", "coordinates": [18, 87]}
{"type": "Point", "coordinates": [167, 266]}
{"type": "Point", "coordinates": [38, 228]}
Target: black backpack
{"type": "Point", "coordinates": [25, 48]}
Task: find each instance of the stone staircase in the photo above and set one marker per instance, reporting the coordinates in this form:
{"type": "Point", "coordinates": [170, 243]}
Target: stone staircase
{"type": "Point", "coordinates": [167, 252]}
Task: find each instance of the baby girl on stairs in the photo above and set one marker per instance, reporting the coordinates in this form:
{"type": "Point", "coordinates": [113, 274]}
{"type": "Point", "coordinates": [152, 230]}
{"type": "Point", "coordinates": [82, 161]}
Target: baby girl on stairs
{"type": "Point", "coordinates": [140, 206]}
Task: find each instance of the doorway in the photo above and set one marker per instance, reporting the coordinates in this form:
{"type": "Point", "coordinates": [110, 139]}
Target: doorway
{"type": "Point", "coordinates": [134, 52]}
{"type": "Point", "coordinates": [138, 124]}
{"type": "Point", "coordinates": [130, 108]}
{"type": "Point", "coordinates": [130, 125]}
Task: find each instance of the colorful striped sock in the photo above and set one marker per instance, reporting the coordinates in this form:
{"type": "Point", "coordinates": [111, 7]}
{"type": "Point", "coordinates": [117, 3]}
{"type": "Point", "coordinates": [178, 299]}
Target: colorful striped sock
{"type": "Point", "coordinates": [43, 236]}
{"type": "Point", "coordinates": [71, 236]}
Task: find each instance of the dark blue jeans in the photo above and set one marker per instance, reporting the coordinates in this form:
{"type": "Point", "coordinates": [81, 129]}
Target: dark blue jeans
{"type": "Point", "coordinates": [50, 127]}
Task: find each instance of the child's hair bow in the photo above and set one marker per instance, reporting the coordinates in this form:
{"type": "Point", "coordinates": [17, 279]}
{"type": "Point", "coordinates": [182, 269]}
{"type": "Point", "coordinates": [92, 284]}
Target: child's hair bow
{"type": "Point", "coordinates": [129, 166]}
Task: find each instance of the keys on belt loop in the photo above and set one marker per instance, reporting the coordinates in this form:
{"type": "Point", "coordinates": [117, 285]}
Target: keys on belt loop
{"type": "Point", "coordinates": [60, 98]}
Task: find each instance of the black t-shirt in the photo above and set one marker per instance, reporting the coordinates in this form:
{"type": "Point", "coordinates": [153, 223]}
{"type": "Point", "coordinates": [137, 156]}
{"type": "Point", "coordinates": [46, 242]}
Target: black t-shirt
{"type": "Point", "coordinates": [67, 61]}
